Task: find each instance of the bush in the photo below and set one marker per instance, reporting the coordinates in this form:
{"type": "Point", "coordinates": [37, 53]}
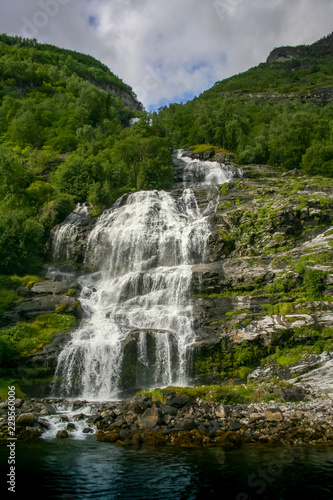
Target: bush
{"type": "Point", "coordinates": [314, 283]}
{"type": "Point", "coordinates": [25, 338]}
{"type": "Point", "coordinates": [7, 297]}
{"type": "Point", "coordinates": [318, 159]}
{"type": "Point", "coordinates": [20, 243]}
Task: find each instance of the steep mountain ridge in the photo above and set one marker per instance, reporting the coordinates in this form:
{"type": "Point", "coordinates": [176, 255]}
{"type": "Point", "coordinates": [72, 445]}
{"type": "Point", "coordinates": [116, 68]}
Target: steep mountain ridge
{"type": "Point", "coordinates": [321, 48]}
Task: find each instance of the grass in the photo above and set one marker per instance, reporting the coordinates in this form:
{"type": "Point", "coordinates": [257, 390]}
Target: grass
{"type": "Point", "coordinates": [8, 382]}
{"type": "Point", "coordinates": [227, 394]}
{"type": "Point", "coordinates": [27, 338]}
{"type": "Point", "coordinates": [7, 297]}
{"type": "Point", "coordinates": [238, 311]}
{"type": "Point", "coordinates": [280, 308]}
{"type": "Point", "coordinates": [8, 286]}
{"type": "Point", "coordinates": [202, 148]}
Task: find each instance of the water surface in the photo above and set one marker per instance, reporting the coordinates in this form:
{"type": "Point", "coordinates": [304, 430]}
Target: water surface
{"type": "Point", "coordinates": [73, 470]}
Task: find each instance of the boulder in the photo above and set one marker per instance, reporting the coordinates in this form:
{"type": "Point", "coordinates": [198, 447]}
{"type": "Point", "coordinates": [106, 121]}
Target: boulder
{"type": "Point", "coordinates": [185, 425]}
{"type": "Point", "coordinates": [151, 418]}
{"type": "Point", "coordinates": [221, 411]}
{"type": "Point", "coordinates": [25, 419]}
{"type": "Point", "coordinates": [179, 401]}
{"type": "Point", "coordinates": [62, 434]}
{"type": "Point", "coordinates": [274, 415]}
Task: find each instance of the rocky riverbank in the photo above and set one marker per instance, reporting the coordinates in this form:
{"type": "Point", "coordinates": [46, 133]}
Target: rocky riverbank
{"type": "Point", "coordinates": [178, 420]}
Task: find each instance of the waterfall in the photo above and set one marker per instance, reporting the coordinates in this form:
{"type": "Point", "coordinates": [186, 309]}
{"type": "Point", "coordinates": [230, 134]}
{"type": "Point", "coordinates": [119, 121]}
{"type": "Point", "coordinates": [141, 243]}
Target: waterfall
{"type": "Point", "coordinates": [138, 323]}
{"type": "Point", "coordinates": [70, 231]}
{"type": "Point", "coordinates": [204, 173]}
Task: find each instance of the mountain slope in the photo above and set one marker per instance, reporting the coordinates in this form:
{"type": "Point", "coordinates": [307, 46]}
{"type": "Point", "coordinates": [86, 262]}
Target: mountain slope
{"type": "Point", "coordinates": [278, 113]}
{"type": "Point", "coordinates": [298, 70]}
{"type": "Point", "coordinates": [26, 64]}
{"type": "Point", "coordinates": [65, 138]}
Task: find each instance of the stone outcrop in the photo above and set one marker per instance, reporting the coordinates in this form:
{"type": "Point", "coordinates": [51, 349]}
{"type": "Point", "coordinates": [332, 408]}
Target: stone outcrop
{"type": "Point", "coordinates": [282, 54]}
{"type": "Point", "coordinates": [321, 48]}
{"type": "Point", "coordinates": [43, 298]}
{"type": "Point", "coordinates": [251, 287]}
{"type": "Point", "coordinates": [69, 239]}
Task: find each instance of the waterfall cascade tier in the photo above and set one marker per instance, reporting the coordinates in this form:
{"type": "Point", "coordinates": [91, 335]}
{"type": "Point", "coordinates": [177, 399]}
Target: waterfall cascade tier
{"type": "Point", "coordinates": [138, 324]}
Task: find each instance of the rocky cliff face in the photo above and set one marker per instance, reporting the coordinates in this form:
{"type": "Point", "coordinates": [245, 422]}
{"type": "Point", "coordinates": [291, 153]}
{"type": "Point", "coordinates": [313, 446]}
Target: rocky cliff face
{"type": "Point", "coordinates": [321, 48]}
{"type": "Point", "coordinates": [266, 289]}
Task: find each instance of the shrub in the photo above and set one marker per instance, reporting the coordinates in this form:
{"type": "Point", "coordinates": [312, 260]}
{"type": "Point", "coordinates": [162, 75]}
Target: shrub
{"type": "Point", "coordinates": [314, 283]}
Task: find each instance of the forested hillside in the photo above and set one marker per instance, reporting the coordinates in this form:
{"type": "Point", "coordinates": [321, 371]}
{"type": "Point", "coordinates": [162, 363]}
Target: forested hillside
{"type": "Point", "coordinates": [278, 113]}
{"type": "Point", "coordinates": [65, 138]}
{"type": "Point", "coordinates": [65, 134]}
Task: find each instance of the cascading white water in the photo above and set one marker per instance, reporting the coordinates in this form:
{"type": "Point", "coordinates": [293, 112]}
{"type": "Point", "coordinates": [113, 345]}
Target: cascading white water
{"type": "Point", "coordinates": [138, 316]}
{"type": "Point", "coordinates": [204, 173]}
{"type": "Point", "coordinates": [145, 249]}
{"type": "Point", "coordinates": [64, 233]}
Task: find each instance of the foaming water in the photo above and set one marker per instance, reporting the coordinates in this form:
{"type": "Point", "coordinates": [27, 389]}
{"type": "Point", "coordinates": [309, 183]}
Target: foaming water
{"type": "Point", "coordinates": [204, 173]}
{"type": "Point", "coordinates": [67, 414]}
{"type": "Point", "coordinates": [64, 233]}
{"type": "Point", "coordinates": [137, 306]}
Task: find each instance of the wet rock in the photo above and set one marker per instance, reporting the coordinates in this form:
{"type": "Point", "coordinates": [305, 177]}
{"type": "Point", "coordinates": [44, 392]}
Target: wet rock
{"type": "Point", "coordinates": [168, 410]}
{"type": "Point", "coordinates": [52, 287]}
{"type": "Point", "coordinates": [263, 372]}
{"type": "Point", "coordinates": [185, 425]}
{"type": "Point", "coordinates": [235, 426]}
{"type": "Point", "coordinates": [87, 430]}
{"type": "Point", "coordinates": [254, 417]}
{"type": "Point", "coordinates": [123, 434]}
{"type": "Point", "coordinates": [150, 418]}
{"type": "Point", "coordinates": [214, 427]}
{"type": "Point", "coordinates": [119, 421]}
{"type": "Point", "coordinates": [94, 419]}
{"type": "Point", "coordinates": [292, 394]}
{"type": "Point", "coordinates": [221, 411]}
{"type": "Point", "coordinates": [48, 409]}
{"type": "Point", "coordinates": [138, 404]}
{"type": "Point", "coordinates": [44, 422]}
{"type": "Point", "coordinates": [29, 434]}
{"type": "Point", "coordinates": [80, 416]}
{"type": "Point", "coordinates": [25, 419]}
{"type": "Point", "coordinates": [179, 401]}
{"type": "Point", "coordinates": [62, 434]}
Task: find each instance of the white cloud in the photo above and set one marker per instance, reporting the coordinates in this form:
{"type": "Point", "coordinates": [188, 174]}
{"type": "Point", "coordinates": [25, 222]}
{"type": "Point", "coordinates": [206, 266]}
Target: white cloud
{"type": "Point", "coordinates": [170, 49]}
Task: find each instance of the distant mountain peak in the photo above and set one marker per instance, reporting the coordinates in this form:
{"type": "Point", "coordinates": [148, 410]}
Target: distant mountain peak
{"type": "Point", "coordinates": [321, 48]}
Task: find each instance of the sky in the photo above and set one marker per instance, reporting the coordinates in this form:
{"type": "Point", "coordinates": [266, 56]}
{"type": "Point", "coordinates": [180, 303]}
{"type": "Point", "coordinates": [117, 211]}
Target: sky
{"type": "Point", "coordinates": [170, 50]}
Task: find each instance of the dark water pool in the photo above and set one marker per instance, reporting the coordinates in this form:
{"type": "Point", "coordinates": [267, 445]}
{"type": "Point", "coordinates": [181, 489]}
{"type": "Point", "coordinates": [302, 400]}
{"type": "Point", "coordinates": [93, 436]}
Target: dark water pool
{"type": "Point", "coordinates": [87, 469]}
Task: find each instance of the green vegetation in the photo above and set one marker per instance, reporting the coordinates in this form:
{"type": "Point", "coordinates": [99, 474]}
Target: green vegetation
{"type": "Point", "coordinates": [9, 382]}
{"type": "Point", "coordinates": [27, 338]}
{"type": "Point", "coordinates": [227, 394]}
{"type": "Point", "coordinates": [314, 284]}
{"type": "Point", "coordinates": [229, 361]}
{"type": "Point", "coordinates": [237, 311]}
{"type": "Point", "coordinates": [8, 286]}
{"type": "Point", "coordinates": [7, 297]}
{"type": "Point", "coordinates": [210, 148]}
{"type": "Point", "coordinates": [64, 139]}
